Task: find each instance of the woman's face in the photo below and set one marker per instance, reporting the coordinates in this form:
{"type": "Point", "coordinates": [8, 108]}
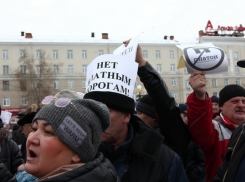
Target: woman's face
{"type": "Point", "coordinates": [45, 151]}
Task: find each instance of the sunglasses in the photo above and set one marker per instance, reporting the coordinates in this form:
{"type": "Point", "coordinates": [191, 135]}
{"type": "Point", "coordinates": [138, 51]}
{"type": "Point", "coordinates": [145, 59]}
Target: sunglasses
{"type": "Point", "coordinates": [63, 102]}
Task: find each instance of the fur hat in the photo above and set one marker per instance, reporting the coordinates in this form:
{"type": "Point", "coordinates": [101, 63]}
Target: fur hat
{"type": "Point", "coordinates": [79, 123]}
{"type": "Point", "coordinates": [230, 91]}
{"type": "Point", "coordinates": [146, 107]}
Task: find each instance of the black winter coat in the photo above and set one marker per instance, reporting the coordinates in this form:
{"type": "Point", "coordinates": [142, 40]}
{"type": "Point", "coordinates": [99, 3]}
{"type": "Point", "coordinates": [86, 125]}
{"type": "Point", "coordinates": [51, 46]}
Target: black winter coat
{"type": "Point", "coordinates": [149, 159]}
{"type": "Point", "coordinates": [175, 132]}
{"type": "Point", "coordinates": [10, 155]}
{"type": "Point", "coordinates": [234, 156]}
{"type": "Point", "coordinates": [98, 170]}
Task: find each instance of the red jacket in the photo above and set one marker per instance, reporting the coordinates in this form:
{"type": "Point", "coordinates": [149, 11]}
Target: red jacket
{"type": "Point", "coordinates": [211, 135]}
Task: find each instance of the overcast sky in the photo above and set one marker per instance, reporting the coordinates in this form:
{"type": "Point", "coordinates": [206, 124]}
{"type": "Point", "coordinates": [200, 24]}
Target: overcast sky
{"type": "Point", "coordinates": [119, 18]}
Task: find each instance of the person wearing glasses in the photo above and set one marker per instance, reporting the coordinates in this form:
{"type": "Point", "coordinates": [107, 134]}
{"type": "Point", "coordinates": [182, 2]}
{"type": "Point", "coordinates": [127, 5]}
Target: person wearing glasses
{"type": "Point", "coordinates": [64, 142]}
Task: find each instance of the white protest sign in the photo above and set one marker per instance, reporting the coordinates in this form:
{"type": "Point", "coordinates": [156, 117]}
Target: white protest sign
{"type": "Point", "coordinates": [204, 57]}
{"type": "Point", "coordinates": [6, 116]}
{"type": "Point", "coordinates": [130, 50]}
{"type": "Point", "coordinates": [111, 73]}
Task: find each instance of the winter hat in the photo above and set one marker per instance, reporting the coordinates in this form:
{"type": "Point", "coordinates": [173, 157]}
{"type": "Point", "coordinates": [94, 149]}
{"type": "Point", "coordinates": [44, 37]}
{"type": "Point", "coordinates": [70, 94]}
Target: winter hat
{"type": "Point", "coordinates": [230, 91]}
{"type": "Point", "coordinates": [183, 108]}
{"type": "Point", "coordinates": [111, 80]}
{"type": "Point", "coordinates": [146, 107]}
{"type": "Point", "coordinates": [67, 94]}
{"type": "Point", "coordinates": [215, 99]}
{"type": "Point", "coordinates": [79, 123]}
{"type": "Point", "coordinates": [27, 118]}
{"type": "Point", "coordinates": [113, 100]}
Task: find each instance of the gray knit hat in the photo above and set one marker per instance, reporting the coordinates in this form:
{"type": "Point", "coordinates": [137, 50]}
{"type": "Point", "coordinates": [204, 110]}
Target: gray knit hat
{"type": "Point", "coordinates": [79, 123]}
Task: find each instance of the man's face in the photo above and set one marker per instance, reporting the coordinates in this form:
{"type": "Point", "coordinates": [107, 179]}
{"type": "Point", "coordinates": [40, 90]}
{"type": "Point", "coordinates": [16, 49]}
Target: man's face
{"type": "Point", "coordinates": [117, 129]}
{"type": "Point", "coordinates": [215, 107]}
{"type": "Point", "coordinates": [234, 110]}
{"type": "Point", "coordinates": [26, 129]}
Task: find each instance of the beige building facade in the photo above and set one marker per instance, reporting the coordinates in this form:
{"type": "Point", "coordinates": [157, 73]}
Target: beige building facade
{"type": "Point", "coordinates": [71, 57]}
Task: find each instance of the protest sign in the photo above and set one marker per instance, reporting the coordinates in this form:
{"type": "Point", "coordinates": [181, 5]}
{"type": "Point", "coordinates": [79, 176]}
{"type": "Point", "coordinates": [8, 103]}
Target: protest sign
{"type": "Point", "coordinates": [111, 73]}
{"type": "Point", "coordinates": [114, 72]}
{"type": "Point", "coordinates": [6, 116]}
{"type": "Point", "coordinates": [203, 57]}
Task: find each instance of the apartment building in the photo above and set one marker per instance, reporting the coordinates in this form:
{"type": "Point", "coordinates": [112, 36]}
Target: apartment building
{"type": "Point", "coordinates": [70, 58]}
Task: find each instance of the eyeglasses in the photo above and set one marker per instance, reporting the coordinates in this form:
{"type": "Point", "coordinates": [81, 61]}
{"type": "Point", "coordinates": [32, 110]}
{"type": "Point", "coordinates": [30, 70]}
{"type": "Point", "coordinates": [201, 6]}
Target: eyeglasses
{"type": "Point", "coordinates": [63, 102]}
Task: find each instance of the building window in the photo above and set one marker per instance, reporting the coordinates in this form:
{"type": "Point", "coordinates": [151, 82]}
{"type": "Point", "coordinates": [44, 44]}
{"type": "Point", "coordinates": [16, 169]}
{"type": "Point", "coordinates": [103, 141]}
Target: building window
{"type": "Point", "coordinates": [101, 52]}
{"type": "Point", "coordinates": [215, 94]}
{"type": "Point", "coordinates": [84, 68]}
{"type": "Point", "coordinates": [38, 54]}
{"type": "Point", "coordinates": [55, 54]}
{"type": "Point", "coordinates": [175, 95]}
{"type": "Point", "coordinates": [5, 85]}
{"type": "Point", "coordinates": [187, 85]}
{"type": "Point", "coordinates": [84, 54]}
{"type": "Point", "coordinates": [171, 54]}
{"type": "Point", "coordinates": [84, 84]}
{"type": "Point", "coordinates": [56, 69]}
{"type": "Point", "coordinates": [237, 69]}
{"type": "Point", "coordinates": [159, 68]}
{"type": "Point", "coordinates": [22, 53]}
{"type": "Point", "coordinates": [214, 83]}
{"type": "Point", "coordinates": [23, 85]}
{"type": "Point", "coordinates": [69, 54]}
{"type": "Point", "coordinates": [173, 81]}
{"type": "Point", "coordinates": [38, 69]}
{"type": "Point", "coordinates": [56, 84]}
{"type": "Point", "coordinates": [6, 101]}
{"type": "Point", "coordinates": [5, 54]}
{"type": "Point", "coordinates": [24, 101]}
{"type": "Point", "coordinates": [238, 81]}
{"type": "Point", "coordinates": [185, 70]}
{"type": "Point", "coordinates": [158, 54]}
{"type": "Point", "coordinates": [235, 55]}
{"type": "Point", "coordinates": [5, 69]}
{"type": "Point", "coordinates": [226, 82]}
{"type": "Point", "coordinates": [70, 84]}
{"type": "Point", "coordinates": [70, 69]}
{"type": "Point", "coordinates": [23, 69]}
{"type": "Point", "coordinates": [145, 53]}
{"type": "Point", "coordinates": [172, 67]}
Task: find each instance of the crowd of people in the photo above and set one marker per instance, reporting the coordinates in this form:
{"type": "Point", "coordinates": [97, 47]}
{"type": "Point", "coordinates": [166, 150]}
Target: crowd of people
{"type": "Point", "coordinates": [103, 137]}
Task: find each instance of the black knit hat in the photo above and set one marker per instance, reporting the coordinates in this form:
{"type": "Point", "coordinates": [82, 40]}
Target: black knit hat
{"type": "Point", "coordinates": [145, 106]}
{"type": "Point", "coordinates": [26, 119]}
{"type": "Point", "coordinates": [113, 100]}
{"type": "Point", "coordinates": [230, 91]}
{"type": "Point", "coordinates": [215, 99]}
